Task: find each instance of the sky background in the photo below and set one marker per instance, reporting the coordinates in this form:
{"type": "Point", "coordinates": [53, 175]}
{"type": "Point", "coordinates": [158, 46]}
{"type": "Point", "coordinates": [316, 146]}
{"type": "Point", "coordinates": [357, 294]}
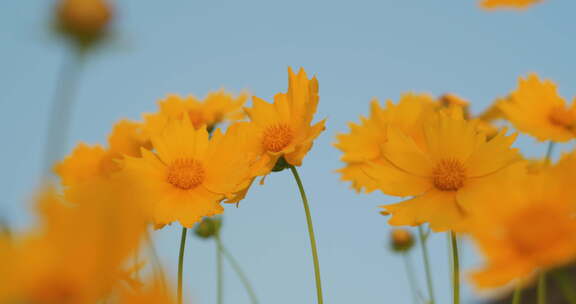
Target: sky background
{"type": "Point", "coordinates": [357, 49]}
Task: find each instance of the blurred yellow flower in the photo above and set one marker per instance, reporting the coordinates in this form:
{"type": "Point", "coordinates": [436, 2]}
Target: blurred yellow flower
{"type": "Point", "coordinates": [154, 293]}
{"type": "Point", "coordinates": [526, 226]}
{"type": "Point", "coordinates": [514, 4]}
{"type": "Point", "coordinates": [78, 253]}
{"type": "Point", "coordinates": [284, 128]}
{"type": "Point", "coordinates": [84, 20]}
{"type": "Point", "coordinates": [87, 163]}
{"type": "Point", "coordinates": [442, 171]}
{"type": "Point", "coordinates": [537, 109]}
{"type": "Point", "coordinates": [217, 107]}
{"type": "Point", "coordinates": [189, 174]}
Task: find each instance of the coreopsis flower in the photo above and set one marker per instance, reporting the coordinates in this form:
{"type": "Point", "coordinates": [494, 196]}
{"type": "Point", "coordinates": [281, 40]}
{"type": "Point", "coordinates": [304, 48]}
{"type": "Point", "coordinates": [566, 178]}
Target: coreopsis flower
{"type": "Point", "coordinates": [189, 174]}
{"type": "Point", "coordinates": [78, 253]}
{"type": "Point", "coordinates": [85, 21]}
{"type": "Point", "coordinates": [87, 163]}
{"type": "Point", "coordinates": [152, 293]}
{"type": "Point", "coordinates": [219, 106]}
{"type": "Point", "coordinates": [513, 4]}
{"type": "Point", "coordinates": [284, 128]}
{"type": "Point", "coordinates": [527, 226]}
{"type": "Point", "coordinates": [362, 145]}
{"type": "Point", "coordinates": [441, 170]}
{"type": "Point", "coordinates": [537, 109]}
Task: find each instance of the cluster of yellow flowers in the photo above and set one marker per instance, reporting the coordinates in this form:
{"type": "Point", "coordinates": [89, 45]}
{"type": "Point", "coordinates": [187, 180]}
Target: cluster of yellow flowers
{"type": "Point", "coordinates": [175, 165]}
{"type": "Point", "coordinates": [462, 174]}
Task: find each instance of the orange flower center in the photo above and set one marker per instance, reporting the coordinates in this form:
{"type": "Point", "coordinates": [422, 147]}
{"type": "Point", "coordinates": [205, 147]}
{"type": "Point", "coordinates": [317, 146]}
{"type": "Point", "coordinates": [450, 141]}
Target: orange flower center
{"type": "Point", "coordinates": [277, 137]}
{"type": "Point", "coordinates": [186, 173]}
{"type": "Point", "coordinates": [562, 117]}
{"type": "Point", "coordinates": [449, 175]}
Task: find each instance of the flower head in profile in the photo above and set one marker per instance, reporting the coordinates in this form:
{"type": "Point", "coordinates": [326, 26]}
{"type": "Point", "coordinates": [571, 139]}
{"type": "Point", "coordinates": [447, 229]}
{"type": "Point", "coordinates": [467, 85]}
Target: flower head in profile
{"type": "Point", "coordinates": [362, 145]}
{"type": "Point", "coordinates": [537, 109]}
{"type": "Point", "coordinates": [526, 226]}
{"type": "Point", "coordinates": [511, 4]}
{"type": "Point", "coordinates": [441, 170]}
{"type": "Point", "coordinates": [219, 106]}
{"type": "Point", "coordinates": [87, 163]}
{"type": "Point", "coordinates": [284, 128]}
{"type": "Point", "coordinates": [189, 174]}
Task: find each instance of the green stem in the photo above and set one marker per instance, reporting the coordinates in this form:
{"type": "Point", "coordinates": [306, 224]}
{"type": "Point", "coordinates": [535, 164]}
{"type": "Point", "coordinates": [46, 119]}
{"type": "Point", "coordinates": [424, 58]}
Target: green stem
{"type": "Point", "coordinates": [62, 108]}
{"type": "Point", "coordinates": [425, 257]}
{"type": "Point", "coordinates": [549, 151]}
{"type": "Point", "coordinates": [455, 269]}
{"type": "Point", "coordinates": [311, 234]}
{"type": "Point", "coordinates": [411, 278]}
{"type": "Point", "coordinates": [181, 263]}
{"type": "Point", "coordinates": [566, 285]}
{"type": "Point", "coordinates": [219, 274]}
{"type": "Point", "coordinates": [542, 288]}
{"type": "Point", "coordinates": [517, 297]}
{"type": "Point", "coordinates": [240, 273]}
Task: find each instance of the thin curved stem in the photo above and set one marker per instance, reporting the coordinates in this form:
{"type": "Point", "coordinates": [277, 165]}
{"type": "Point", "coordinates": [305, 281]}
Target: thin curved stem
{"type": "Point", "coordinates": [219, 274]}
{"type": "Point", "coordinates": [411, 278]}
{"type": "Point", "coordinates": [62, 108]}
{"type": "Point", "coordinates": [455, 269]}
{"type": "Point", "coordinates": [517, 297]}
{"type": "Point", "coordinates": [549, 151]}
{"type": "Point", "coordinates": [181, 262]}
{"type": "Point", "coordinates": [311, 235]}
{"type": "Point", "coordinates": [542, 288]}
{"type": "Point", "coordinates": [425, 258]}
{"type": "Point", "coordinates": [240, 273]}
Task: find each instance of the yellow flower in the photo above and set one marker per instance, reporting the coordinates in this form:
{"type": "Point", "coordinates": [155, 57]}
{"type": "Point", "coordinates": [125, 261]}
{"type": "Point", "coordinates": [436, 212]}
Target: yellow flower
{"type": "Point", "coordinates": [78, 253]}
{"type": "Point", "coordinates": [526, 226]}
{"type": "Point", "coordinates": [537, 109]}
{"type": "Point", "coordinates": [284, 129]}
{"type": "Point", "coordinates": [189, 174]}
{"type": "Point", "coordinates": [84, 20]}
{"type": "Point", "coordinates": [217, 107]}
{"type": "Point", "coordinates": [362, 144]}
{"type": "Point", "coordinates": [87, 163]}
{"type": "Point", "coordinates": [441, 172]}
{"type": "Point", "coordinates": [514, 4]}
{"type": "Point", "coordinates": [155, 293]}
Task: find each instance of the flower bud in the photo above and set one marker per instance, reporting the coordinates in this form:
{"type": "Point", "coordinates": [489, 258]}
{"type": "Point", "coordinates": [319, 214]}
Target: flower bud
{"type": "Point", "coordinates": [401, 240]}
{"type": "Point", "coordinates": [84, 20]}
{"type": "Point", "coordinates": [209, 227]}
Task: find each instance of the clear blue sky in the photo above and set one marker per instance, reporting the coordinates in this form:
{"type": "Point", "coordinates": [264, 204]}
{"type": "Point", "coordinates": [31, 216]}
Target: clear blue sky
{"type": "Point", "coordinates": [357, 49]}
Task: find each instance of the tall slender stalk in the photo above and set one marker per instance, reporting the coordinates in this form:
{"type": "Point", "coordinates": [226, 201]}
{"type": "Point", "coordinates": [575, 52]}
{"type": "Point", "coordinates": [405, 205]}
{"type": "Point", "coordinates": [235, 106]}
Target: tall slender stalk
{"type": "Point", "coordinates": [517, 297]}
{"type": "Point", "coordinates": [542, 288]}
{"type": "Point", "coordinates": [455, 269]}
{"type": "Point", "coordinates": [219, 274]}
{"type": "Point", "coordinates": [411, 278]}
{"type": "Point", "coordinates": [549, 151]}
{"type": "Point", "coordinates": [425, 258]}
{"type": "Point", "coordinates": [243, 278]}
{"type": "Point", "coordinates": [62, 108]}
{"type": "Point", "coordinates": [311, 234]}
{"type": "Point", "coordinates": [566, 285]}
{"type": "Point", "coordinates": [181, 262]}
